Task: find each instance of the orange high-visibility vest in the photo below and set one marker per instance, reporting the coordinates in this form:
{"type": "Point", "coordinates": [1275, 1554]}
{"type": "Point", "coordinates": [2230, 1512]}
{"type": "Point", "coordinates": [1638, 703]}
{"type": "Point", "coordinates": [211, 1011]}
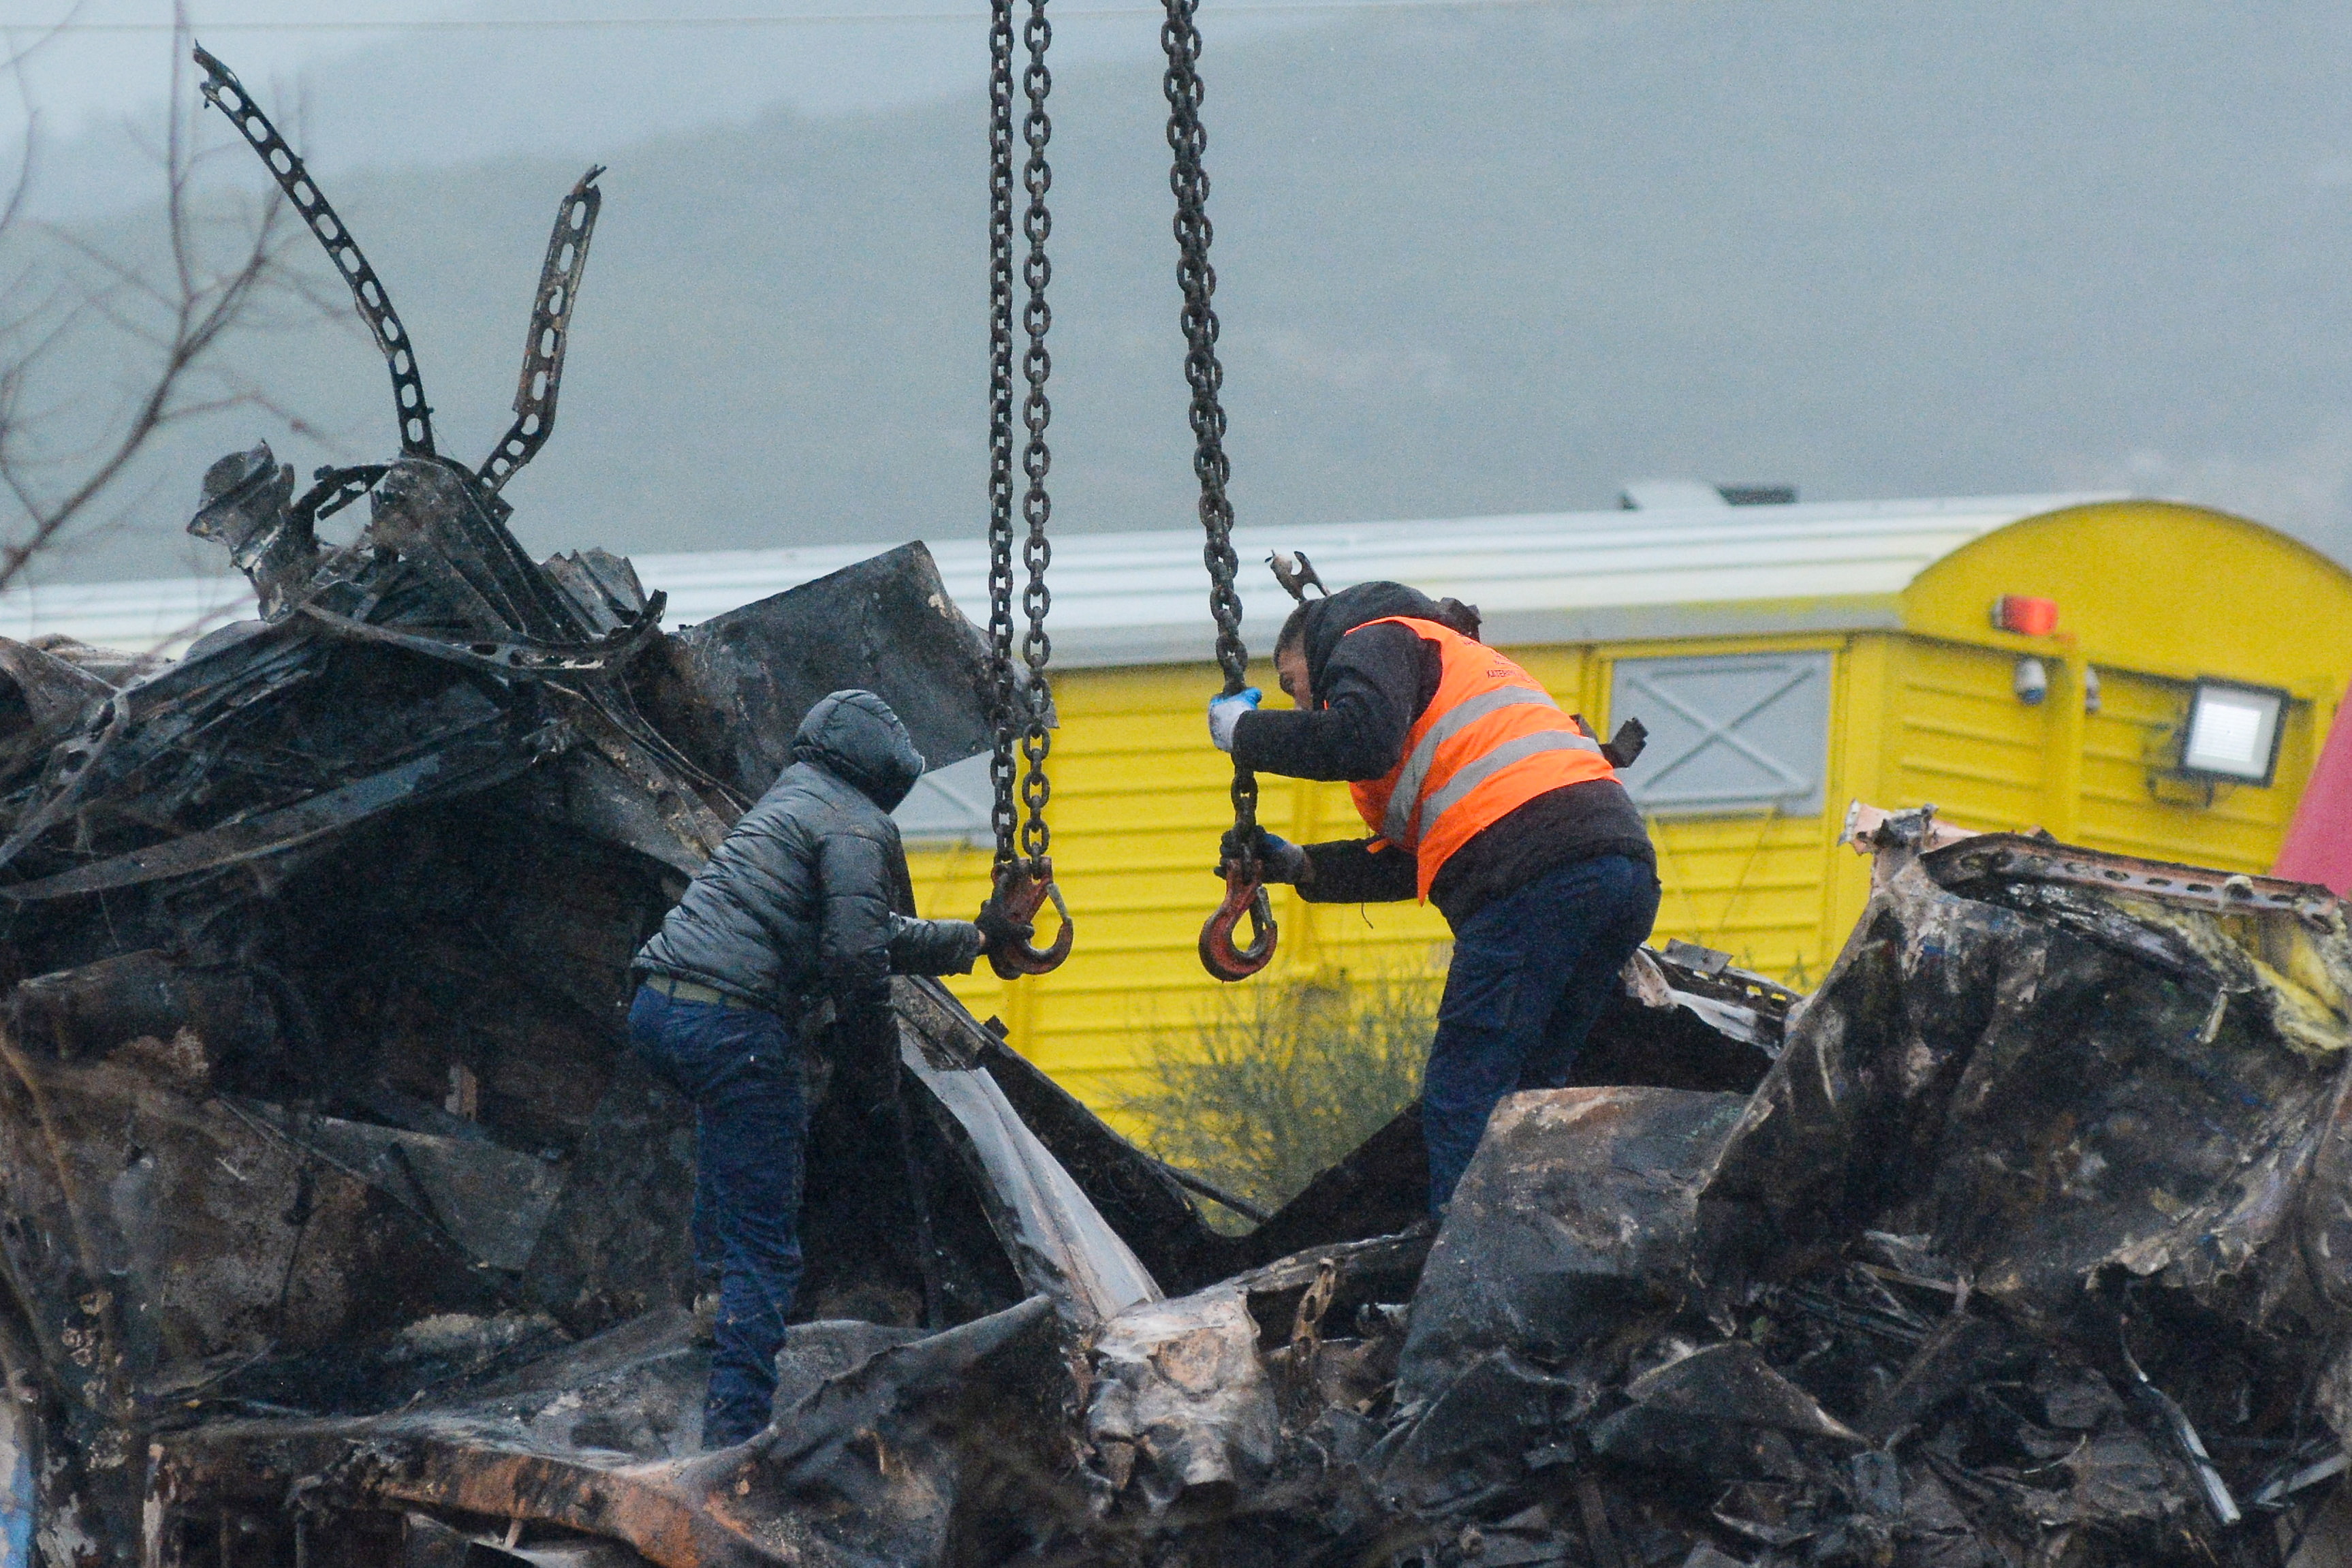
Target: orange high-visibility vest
{"type": "Point", "coordinates": [1490, 740]}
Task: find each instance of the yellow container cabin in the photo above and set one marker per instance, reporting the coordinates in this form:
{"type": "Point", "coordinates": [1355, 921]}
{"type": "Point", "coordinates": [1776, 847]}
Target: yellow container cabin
{"type": "Point", "coordinates": [1787, 660]}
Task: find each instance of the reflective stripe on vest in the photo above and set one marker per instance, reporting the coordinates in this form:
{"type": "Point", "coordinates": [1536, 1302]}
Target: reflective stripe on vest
{"type": "Point", "coordinates": [1490, 740]}
{"type": "Point", "coordinates": [1396, 823]}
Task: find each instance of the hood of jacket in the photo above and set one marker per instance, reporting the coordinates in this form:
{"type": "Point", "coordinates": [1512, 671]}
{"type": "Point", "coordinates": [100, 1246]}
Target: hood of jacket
{"type": "Point", "coordinates": [1329, 619]}
{"type": "Point", "coordinates": [854, 736]}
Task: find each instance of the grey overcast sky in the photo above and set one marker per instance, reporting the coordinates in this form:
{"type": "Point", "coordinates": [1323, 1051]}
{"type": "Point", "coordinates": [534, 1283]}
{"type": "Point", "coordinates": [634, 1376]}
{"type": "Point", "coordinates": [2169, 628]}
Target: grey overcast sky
{"type": "Point", "coordinates": [1472, 258]}
{"type": "Point", "coordinates": [378, 82]}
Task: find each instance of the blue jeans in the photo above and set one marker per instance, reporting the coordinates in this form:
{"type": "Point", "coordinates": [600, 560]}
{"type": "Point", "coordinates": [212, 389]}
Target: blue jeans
{"type": "Point", "coordinates": [1531, 972]}
{"type": "Point", "coordinates": [742, 1070]}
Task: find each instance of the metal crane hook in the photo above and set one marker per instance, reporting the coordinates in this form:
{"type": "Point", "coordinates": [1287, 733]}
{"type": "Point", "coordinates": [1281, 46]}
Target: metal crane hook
{"type": "Point", "coordinates": [1244, 895]}
{"type": "Point", "coordinates": [1022, 890]}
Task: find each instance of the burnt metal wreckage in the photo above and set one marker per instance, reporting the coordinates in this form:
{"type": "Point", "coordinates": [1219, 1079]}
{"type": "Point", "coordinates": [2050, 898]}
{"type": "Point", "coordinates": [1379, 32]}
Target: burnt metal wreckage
{"type": "Point", "coordinates": [338, 1225]}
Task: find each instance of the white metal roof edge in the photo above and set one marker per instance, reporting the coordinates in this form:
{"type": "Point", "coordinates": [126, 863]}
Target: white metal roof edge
{"type": "Point", "coordinates": [1141, 598]}
{"type": "Point", "coordinates": [1138, 598]}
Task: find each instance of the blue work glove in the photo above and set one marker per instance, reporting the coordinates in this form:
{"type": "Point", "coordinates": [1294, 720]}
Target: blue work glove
{"type": "Point", "coordinates": [1224, 712]}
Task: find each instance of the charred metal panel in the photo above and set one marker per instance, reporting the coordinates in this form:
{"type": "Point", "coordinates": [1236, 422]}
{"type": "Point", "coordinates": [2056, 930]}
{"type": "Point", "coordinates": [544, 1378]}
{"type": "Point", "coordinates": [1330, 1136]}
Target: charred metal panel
{"type": "Point", "coordinates": [1578, 1210]}
{"type": "Point", "coordinates": [2055, 1082]}
{"type": "Point", "coordinates": [1132, 1191]}
{"type": "Point", "coordinates": [734, 687]}
{"type": "Point", "coordinates": [1058, 1241]}
{"type": "Point", "coordinates": [1183, 1401]}
{"type": "Point", "coordinates": [1600, 1361]}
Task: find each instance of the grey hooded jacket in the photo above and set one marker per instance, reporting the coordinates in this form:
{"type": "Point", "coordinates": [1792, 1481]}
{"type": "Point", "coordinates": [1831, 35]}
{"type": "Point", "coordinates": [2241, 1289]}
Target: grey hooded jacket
{"type": "Point", "coordinates": [809, 895]}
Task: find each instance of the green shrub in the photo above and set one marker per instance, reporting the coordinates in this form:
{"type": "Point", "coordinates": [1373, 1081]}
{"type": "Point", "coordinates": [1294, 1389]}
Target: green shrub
{"type": "Point", "coordinates": [1281, 1081]}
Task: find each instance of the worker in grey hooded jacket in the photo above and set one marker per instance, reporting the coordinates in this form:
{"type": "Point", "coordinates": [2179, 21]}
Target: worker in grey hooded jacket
{"type": "Point", "coordinates": [806, 903]}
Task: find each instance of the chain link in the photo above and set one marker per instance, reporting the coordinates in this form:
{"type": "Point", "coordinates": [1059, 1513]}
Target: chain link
{"type": "Point", "coordinates": [1020, 707]}
{"type": "Point", "coordinates": [1188, 141]}
{"type": "Point", "coordinates": [1036, 506]}
{"type": "Point", "coordinates": [1000, 419]}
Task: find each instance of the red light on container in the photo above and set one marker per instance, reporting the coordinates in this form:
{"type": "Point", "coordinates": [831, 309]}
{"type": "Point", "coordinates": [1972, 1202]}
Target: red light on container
{"type": "Point", "coordinates": [2025, 615]}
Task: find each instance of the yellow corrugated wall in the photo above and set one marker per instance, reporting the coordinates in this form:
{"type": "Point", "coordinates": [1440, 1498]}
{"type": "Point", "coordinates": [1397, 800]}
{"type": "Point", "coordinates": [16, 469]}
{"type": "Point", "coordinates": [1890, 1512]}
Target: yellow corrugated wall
{"type": "Point", "coordinates": [1924, 714]}
{"type": "Point", "coordinates": [2152, 595]}
{"type": "Point", "coordinates": [1963, 741]}
{"type": "Point", "coordinates": [1139, 798]}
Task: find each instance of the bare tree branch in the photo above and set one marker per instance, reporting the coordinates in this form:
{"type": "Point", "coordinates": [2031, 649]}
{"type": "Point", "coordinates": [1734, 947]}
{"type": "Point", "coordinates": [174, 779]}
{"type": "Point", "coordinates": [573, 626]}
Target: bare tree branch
{"type": "Point", "coordinates": [179, 310]}
{"type": "Point", "coordinates": [43, 37]}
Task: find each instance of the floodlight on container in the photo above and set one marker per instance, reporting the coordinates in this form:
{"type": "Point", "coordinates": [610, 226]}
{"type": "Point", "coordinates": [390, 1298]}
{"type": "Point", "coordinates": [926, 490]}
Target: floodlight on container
{"type": "Point", "coordinates": [2030, 679]}
{"type": "Point", "coordinates": [2024, 614]}
{"type": "Point", "coordinates": [2234, 733]}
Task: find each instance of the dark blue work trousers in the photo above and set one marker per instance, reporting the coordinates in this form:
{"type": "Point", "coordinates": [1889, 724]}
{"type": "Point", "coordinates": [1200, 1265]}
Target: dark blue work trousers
{"type": "Point", "coordinates": [1531, 972]}
{"type": "Point", "coordinates": [742, 1069]}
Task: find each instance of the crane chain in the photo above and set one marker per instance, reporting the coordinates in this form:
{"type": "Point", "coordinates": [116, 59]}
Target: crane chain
{"type": "Point", "coordinates": [1020, 711]}
{"type": "Point", "coordinates": [1180, 36]}
{"type": "Point", "coordinates": [1022, 880]}
{"type": "Point", "coordinates": [1037, 458]}
{"type": "Point", "coordinates": [1000, 420]}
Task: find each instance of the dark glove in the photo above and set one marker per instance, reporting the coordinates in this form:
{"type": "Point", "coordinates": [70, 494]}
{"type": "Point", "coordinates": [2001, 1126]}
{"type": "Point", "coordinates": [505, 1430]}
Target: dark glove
{"type": "Point", "coordinates": [999, 931]}
{"type": "Point", "coordinates": [1279, 859]}
{"type": "Point", "coordinates": [932, 947]}
{"type": "Point", "coordinates": [973, 938]}
{"type": "Point", "coordinates": [1627, 743]}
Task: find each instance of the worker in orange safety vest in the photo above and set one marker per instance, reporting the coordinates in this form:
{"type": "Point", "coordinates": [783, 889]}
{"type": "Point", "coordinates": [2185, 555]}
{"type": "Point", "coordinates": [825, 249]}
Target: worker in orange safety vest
{"type": "Point", "coordinates": [1484, 798]}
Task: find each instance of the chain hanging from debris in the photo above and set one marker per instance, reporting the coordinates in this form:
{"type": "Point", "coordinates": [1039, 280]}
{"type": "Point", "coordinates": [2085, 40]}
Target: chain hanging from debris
{"type": "Point", "coordinates": [1187, 139]}
{"type": "Point", "coordinates": [1024, 876]}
